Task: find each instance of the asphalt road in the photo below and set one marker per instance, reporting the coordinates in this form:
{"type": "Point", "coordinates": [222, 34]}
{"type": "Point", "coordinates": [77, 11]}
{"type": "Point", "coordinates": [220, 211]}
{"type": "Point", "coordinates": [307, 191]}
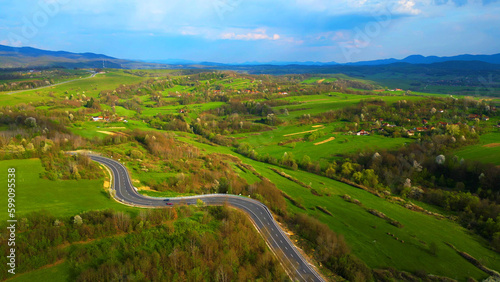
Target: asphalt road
{"type": "Point", "coordinates": [281, 245]}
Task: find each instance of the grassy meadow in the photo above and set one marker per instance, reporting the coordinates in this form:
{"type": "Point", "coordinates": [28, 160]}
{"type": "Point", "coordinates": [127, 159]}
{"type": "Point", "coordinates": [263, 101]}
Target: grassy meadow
{"type": "Point", "coordinates": [487, 151]}
{"type": "Point", "coordinates": [367, 235]}
{"type": "Point", "coordinates": [424, 236]}
{"type": "Point", "coordinates": [62, 198]}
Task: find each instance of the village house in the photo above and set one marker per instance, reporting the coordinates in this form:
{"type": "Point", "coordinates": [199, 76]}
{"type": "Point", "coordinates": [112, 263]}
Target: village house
{"type": "Point", "coordinates": [473, 116]}
{"type": "Point", "coordinates": [363, 132]}
{"type": "Point", "coordinates": [388, 125]}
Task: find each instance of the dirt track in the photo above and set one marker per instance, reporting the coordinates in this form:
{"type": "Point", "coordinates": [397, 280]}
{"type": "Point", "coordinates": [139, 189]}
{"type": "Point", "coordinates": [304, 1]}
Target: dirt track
{"type": "Point", "coordinates": [491, 145]}
{"type": "Point", "coordinates": [291, 134]}
{"type": "Point", "coordinates": [325, 141]}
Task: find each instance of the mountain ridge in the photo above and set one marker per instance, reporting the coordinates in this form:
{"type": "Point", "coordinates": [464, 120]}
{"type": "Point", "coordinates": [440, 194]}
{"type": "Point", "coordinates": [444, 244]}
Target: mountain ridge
{"type": "Point", "coordinates": [11, 57]}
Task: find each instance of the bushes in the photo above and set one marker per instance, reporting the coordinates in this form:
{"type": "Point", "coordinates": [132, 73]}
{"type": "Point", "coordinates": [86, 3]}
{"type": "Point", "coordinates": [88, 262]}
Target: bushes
{"type": "Point", "coordinates": [190, 249]}
{"type": "Point", "coordinates": [62, 166]}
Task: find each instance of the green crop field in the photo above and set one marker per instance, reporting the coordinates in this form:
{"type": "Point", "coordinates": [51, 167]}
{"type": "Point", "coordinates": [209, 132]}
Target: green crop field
{"type": "Point", "coordinates": [61, 198]}
{"type": "Point", "coordinates": [487, 151]}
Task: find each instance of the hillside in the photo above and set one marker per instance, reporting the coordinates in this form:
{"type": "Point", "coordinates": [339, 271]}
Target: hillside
{"type": "Point", "coordinates": [26, 57]}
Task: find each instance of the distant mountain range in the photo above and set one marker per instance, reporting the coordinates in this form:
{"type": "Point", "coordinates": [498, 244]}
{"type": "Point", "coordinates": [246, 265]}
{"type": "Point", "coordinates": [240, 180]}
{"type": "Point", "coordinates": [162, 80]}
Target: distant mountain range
{"type": "Point", "coordinates": [15, 57]}
{"type": "Point", "coordinates": [27, 57]}
{"type": "Point", "coordinates": [419, 59]}
{"type": "Point", "coordinates": [413, 59]}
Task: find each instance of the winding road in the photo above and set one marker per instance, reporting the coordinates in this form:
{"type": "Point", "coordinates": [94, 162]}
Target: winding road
{"type": "Point", "coordinates": [293, 261]}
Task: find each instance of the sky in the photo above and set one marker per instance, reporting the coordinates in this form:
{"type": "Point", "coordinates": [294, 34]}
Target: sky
{"type": "Point", "coordinates": [237, 31]}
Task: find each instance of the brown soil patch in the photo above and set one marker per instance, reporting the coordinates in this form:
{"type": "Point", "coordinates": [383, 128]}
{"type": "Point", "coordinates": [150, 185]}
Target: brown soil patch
{"type": "Point", "coordinates": [319, 125]}
{"type": "Point", "coordinates": [320, 81]}
{"type": "Point", "coordinates": [107, 132]}
{"type": "Point", "coordinates": [112, 133]}
{"type": "Point", "coordinates": [291, 134]}
{"type": "Point", "coordinates": [325, 141]}
{"type": "Point", "coordinates": [491, 145]}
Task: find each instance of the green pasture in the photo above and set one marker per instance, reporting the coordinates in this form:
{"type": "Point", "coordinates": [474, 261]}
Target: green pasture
{"type": "Point", "coordinates": [193, 109]}
{"type": "Point", "coordinates": [57, 273]}
{"type": "Point", "coordinates": [317, 79]}
{"type": "Point", "coordinates": [367, 235]}
{"type": "Point", "coordinates": [88, 86]}
{"type": "Point", "coordinates": [486, 151]}
{"type": "Point", "coordinates": [316, 104]}
{"type": "Point", "coordinates": [268, 142]}
{"type": "Point", "coordinates": [61, 198]}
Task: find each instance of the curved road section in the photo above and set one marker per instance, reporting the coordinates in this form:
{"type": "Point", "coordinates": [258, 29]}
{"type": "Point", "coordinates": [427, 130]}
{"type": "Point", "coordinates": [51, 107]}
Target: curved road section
{"type": "Point", "coordinates": [291, 259]}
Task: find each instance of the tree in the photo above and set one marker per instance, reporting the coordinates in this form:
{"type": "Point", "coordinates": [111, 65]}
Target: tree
{"type": "Point", "coordinates": [30, 122]}
{"type": "Point", "coordinates": [453, 129]}
{"type": "Point", "coordinates": [224, 185]}
{"type": "Point", "coordinates": [347, 169]}
{"type": "Point", "coordinates": [369, 178]}
{"type": "Point", "coordinates": [330, 172]}
{"type": "Point", "coordinates": [306, 161]}
{"type": "Point", "coordinates": [136, 154]}
{"type": "Point", "coordinates": [77, 220]}
{"type": "Point", "coordinates": [200, 203]}
{"type": "Point", "coordinates": [90, 103]}
{"type": "Point", "coordinates": [440, 159]}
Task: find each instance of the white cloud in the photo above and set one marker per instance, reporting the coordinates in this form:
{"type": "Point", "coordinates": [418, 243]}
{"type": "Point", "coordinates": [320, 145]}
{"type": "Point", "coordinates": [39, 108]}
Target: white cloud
{"type": "Point", "coordinates": [257, 34]}
{"type": "Point", "coordinates": [406, 7]}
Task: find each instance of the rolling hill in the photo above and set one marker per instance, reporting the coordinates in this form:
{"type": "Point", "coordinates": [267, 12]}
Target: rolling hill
{"type": "Point", "coordinates": [27, 57]}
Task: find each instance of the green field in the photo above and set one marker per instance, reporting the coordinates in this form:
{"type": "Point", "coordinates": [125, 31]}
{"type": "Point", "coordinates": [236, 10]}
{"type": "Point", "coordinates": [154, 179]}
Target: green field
{"type": "Point", "coordinates": [487, 151]}
{"type": "Point", "coordinates": [61, 198]}
{"type": "Point", "coordinates": [268, 142]}
{"type": "Point", "coordinates": [90, 87]}
{"type": "Point", "coordinates": [315, 104]}
{"type": "Point", "coordinates": [193, 109]}
{"type": "Point", "coordinates": [366, 234]}
{"type": "Point", "coordinates": [57, 273]}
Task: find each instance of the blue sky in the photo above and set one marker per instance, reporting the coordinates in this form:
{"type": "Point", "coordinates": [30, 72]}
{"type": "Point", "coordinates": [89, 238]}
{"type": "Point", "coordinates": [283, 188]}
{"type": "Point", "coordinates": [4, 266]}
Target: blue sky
{"type": "Point", "coordinates": [234, 31]}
